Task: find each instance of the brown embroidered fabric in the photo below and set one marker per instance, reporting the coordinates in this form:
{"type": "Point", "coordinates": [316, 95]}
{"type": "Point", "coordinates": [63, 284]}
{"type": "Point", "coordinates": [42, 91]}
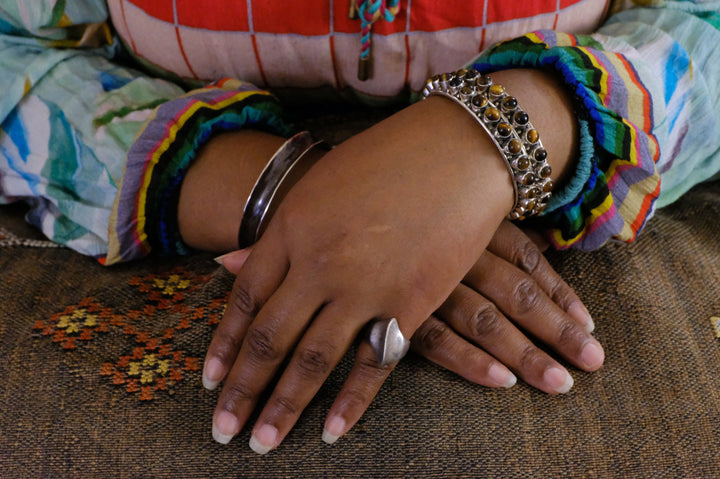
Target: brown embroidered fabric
{"type": "Point", "coordinates": [101, 375]}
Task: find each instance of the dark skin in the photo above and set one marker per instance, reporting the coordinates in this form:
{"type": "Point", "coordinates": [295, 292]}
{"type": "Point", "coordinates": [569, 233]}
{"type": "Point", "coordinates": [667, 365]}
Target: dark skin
{"type": "Point", "coordinates": [403, 220]}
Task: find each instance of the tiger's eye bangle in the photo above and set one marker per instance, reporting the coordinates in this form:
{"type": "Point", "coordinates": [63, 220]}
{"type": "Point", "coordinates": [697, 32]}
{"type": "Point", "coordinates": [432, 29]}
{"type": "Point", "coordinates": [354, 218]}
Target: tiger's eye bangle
{"type": "Point", "coordinates": [272, 185]}
{"type": "Point", "coordinates": [509, 128]}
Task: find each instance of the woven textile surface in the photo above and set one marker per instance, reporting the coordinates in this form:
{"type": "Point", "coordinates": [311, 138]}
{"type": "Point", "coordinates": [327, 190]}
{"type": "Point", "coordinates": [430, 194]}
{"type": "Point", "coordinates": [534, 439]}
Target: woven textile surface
{"type": "Point", "coordinates": [101, 374]}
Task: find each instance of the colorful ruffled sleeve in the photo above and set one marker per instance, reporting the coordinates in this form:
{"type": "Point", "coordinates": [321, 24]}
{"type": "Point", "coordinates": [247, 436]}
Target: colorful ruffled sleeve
{"type": "Point", "coordinates": [646, 91]}
{"type": "Point", "coordinates": [96, 149]}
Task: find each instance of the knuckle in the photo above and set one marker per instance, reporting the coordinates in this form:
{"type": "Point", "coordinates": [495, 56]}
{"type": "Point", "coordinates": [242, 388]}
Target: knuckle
{"type": "Point", "coordinates": [529, 356]}
{"type": "Point", "coordinates": [526, 296]}
{"type": "Point", "coordinates": [561, 295]}
{"type": "Point", "coordinates": [315, 361]}
{"type": "Point", "coordinates": [485, 321]}
{"type": "Point", "coordinates": [243, 301]}
{"type": "Point", "coordinates": [226, 345]}
{"type": "Point", "coordinates": [261, 346]}
{"type": "Point", "coordinates": [286, 405]}
{"type": "Point", "coordinates": [528, 257]}
{"type": "Point", "coordinates": [371, 369]}
{"type": "Point", "coordinates": [567, 334]}
{"type": "Point", "coordinates": [235, 394]}
{"type": "Point", "coordinates": [431, 335]}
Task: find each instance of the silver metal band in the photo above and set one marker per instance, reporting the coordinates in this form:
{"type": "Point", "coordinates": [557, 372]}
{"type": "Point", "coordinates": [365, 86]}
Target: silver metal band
{"type": "Point", "coordinates": [267, 187]}
{"type": "Point", "coordinates": [510, 130]}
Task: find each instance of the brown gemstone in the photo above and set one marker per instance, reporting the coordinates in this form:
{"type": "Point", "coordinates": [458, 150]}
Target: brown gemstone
{"type": "Point", "coordinates": [545, 171]}
{"type": "Point", "coordinates": [492, 114]}
{"type": "Point", "coordinates": [455, 82]}
{"type": "Point", "coordinates": [444, 77]}
{"type": "Point", "coordinates": [548, 186]}
{"type": "Point", "coordinates": [529, 205]}
{"type": "Point", "coordinates": [514, 146]}
{"type": "Point", "coordinates": [461, 72]}
{"type": "Point", "coordinates": [471, 75]}
{"type": "Point", "coordinates": [479, 101]}
{"type": "Point", "coordinates": [532, 136]}
{"type": "Point", "coordinates": [528, 179]}
{"type": "Point", "coordinates": [521, 118]}
{"type": "Point", "coordinates": [466, 90]}
{"type": "Point", "coordinates": [509, 103]}
{"type": "Point", "coordinates": [522, 163]}
{"type": "Point", "coordinates": [503, 129]}
{"type": "Point", "coordinates": [497, 90]}
{"type": "Point", "coordinates": [540, 154]}
{"type": "Point", "coordinates": [484, 81]}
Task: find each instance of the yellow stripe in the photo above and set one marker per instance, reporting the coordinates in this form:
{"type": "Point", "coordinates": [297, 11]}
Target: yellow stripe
{"type": "Point", "coordinates": [169, 139]}
{"type": "Point", "coordinates": [596, 212]}
{"type": "Point", "coordinates": [27, 86]}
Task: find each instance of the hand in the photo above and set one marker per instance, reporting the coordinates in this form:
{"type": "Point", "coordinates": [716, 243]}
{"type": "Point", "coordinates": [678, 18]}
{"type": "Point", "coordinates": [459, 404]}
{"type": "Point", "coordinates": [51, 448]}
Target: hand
{"type": "Point", "coordinates": [471, 334]}
{"type": "Point", "coordinates": [379, 227]}
{"type": "Point", "coordinates": [385, 225]}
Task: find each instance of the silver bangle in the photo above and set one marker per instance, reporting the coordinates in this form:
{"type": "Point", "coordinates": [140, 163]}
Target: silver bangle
{"type": "Point", "coordinates": [509, 128]}
{"type": "Point", "coordinates": [268, 186]}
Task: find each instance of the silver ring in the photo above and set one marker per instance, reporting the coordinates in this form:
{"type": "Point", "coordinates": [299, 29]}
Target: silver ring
{"type": "Point", "coordinates": [387, 341]}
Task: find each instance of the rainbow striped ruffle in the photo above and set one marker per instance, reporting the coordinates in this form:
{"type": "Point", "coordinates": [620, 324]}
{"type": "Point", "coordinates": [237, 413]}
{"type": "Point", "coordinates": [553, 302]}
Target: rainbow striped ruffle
{"type": "Point", "coordinates": [144, 215]}
{"type": "Point", "coordinates": [616, 184]}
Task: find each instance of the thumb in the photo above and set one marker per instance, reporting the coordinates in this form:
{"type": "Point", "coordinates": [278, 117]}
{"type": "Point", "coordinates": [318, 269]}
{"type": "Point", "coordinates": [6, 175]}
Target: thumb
{"type": "Point", "coordinates": [234, 260]}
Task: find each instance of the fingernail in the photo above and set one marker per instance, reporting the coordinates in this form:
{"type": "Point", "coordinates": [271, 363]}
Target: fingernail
{"type": "Point", "coordinates": [334, 428]}
{"type": "Point", "coordinates": [219, 259]}
{"type": "Point", "coordinates": [592, 355]}
{"type": "Point", "coordinates": [212, 373]}
{"type": "Point", "coordinates": [263, 439]}
{"type": "Point", "coordinates": [558, 379]}
{"type": "Point", "coordinates": [225, 427]}
{"type": "Point", "coordinates": [578, 311]}
{"type": "Point", "coordinates": [502, 376]}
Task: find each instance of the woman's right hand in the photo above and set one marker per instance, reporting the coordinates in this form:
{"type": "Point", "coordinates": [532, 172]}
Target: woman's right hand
{"type": "Point", "coordinates": [482, 332]}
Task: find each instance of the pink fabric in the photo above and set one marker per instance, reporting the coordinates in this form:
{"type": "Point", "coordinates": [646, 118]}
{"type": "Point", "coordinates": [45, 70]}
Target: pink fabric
{"type": "Point", "coordinates": [311, 43]}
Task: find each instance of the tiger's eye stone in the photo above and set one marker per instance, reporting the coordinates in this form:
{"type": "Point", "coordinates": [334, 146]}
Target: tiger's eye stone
{"type": "Point", "coordinates": [545, 171]}
{"type": "Point", "coordinates": [540, 154]}
{"type": "Point", "coordinates": [521, 118]}
{"type": "Point", "coordinates": [522, 163]}
{"type": "Point", "coordinates": [528, 179]}
{"type": "Point", "coordinates": [529, 205]}
{"type": "Point", "coordinates": [479, 101]}
{"type": "Point", "coordinates": [492, 114]}
{"type": "Point", "coordinates": [509, 103]}
{"type": "Point", "coordinates": [504, 130]}
{"type": "Point", "coordinates": [461, 72]}
{"type": "Point", "coordinates": [532, 136]}
{"type": "Point", "coordinates": [548, 186]}
{"type": "Point", "coordinates": [445, 77]}
{"type": "Point", "coordinates": [514, 146]}
{"type": "Point", "coordinates": [471, 75]}
{"type": "Point", "coordinates": [466, 91]}
{"type": "Point", "coordinates": [496, 90]}
{"type": "Point", "coordinates": [484, 81]}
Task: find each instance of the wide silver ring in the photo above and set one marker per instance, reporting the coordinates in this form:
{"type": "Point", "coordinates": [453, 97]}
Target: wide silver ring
{"type": "Point", "coordinates": [387, 341]}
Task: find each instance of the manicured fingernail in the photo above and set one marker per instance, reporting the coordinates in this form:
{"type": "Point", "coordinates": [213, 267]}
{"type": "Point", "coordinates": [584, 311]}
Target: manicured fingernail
{"type": "Point", "coordinates": [334, 428]}
{"type": "Point", "coordinates": [578, 311]}
{"type": "Point", "coordinates": [219, 259]}
{"type": "Point", "coordinates": [502, 376]}
{"type": "Point", "coordinates": [225, 427]}
{"type": "Point", "coordinates": [558, 379]}
{"type": "Point", "coordinates": [212, 373]}
{"type": "Point", "coordinates": [592, 355]}
{"type": "Point", "coordinates": [263, 439]}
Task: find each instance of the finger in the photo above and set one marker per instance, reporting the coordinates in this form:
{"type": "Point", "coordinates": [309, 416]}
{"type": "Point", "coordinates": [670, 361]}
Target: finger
{"type": "Point", "coordinates": [361, 386]}
{"type": "Point", "coordinates": [268, 341]}
{"type": "Point", "coordinates": [513, 245]}
{"type": "Point", "coordinates": [479, 320]}
{"type": "Point", "coordinates": [234, 260]}
{"type": "Point", "coordinates": [521, 298]}
{"type": "Point", "coordinates": [440, 344]}
{"type": "Point", "coordinates": [254, 284]}
{"type": "Point", "coordinates": [320, 349]}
